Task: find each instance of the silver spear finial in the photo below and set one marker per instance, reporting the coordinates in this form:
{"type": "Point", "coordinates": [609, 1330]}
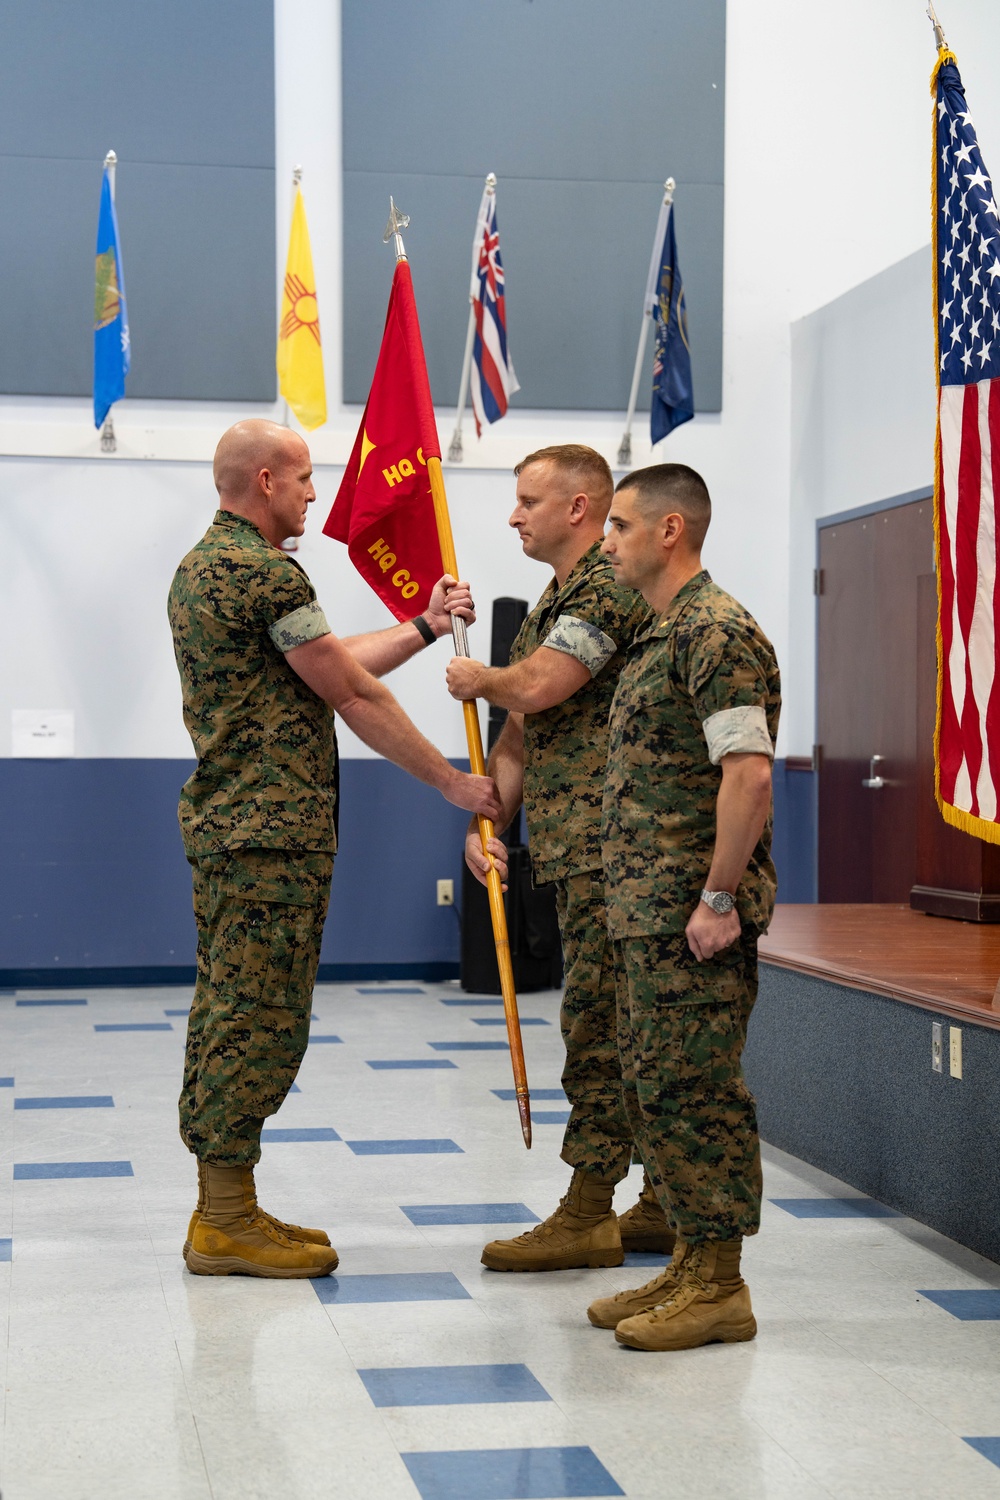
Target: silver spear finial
{"type": "Point", "coordinates": [397, 221]}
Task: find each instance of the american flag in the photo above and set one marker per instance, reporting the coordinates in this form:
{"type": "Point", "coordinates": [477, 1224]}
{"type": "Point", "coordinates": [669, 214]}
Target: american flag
{"type": "Point", "coordinates": [492, 374]}
{"type": "Point", "coordinates": [967, 480]}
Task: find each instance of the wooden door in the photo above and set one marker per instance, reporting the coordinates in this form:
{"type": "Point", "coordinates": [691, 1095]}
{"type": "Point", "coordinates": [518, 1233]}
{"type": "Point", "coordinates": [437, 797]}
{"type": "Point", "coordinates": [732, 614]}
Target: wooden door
{"type": "Point", "coordinates": [868, 672]}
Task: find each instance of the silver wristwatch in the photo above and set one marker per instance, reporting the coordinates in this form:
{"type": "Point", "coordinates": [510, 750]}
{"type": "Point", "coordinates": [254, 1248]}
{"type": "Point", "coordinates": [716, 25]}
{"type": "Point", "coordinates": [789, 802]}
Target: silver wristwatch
{"type": "Point", "coordinates": [721, 902]}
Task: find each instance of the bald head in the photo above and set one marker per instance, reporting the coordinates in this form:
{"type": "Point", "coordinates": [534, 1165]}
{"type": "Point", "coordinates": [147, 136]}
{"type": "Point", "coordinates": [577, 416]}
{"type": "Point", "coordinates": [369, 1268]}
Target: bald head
{"type": "Point", "coordinates": [248, 448]}
{"type": "Point", "coordinates": [263, 472]}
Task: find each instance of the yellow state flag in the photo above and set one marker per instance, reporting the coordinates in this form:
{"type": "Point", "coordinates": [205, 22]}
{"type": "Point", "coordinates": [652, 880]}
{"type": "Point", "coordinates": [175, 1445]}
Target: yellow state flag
{"type": "Point", "coordinates": [300, 350]}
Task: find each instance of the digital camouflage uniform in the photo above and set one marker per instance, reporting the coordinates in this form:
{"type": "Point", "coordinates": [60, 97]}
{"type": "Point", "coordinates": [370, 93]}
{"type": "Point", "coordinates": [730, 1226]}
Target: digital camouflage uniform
{"type": "Point", "coordinates": [258, 819]}
{"type": "Point", "coordinates": [700, 683]}
{"type": "Point", "coordinates": [565, 752]}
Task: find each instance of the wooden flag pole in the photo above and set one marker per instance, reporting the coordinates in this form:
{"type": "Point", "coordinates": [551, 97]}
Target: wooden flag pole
{"type": "Point", "coordinates": [477, 762]}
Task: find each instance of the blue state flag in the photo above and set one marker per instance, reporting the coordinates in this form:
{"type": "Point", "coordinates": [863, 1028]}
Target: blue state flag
{"type": "Point", "coordinates": [673, 396]}
{"type": "Point", "coordinates": [112, 352]}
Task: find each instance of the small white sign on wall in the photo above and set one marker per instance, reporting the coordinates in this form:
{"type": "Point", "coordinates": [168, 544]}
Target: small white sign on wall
{"type": "Point", "coordinates": [41, 732]}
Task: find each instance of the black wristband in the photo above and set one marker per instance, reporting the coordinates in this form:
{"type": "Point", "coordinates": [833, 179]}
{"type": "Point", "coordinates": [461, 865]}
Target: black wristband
{"type": "Point", "coordinates": [425, 629]}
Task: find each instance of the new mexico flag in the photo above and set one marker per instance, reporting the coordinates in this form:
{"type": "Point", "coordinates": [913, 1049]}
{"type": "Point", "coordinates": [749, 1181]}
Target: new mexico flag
{"type": "Point", "coordinates": [300, 350]}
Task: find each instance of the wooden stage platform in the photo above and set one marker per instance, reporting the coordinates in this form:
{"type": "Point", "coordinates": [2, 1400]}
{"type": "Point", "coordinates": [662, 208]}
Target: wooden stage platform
{"type": "Point", "coordinates": [938, 963]}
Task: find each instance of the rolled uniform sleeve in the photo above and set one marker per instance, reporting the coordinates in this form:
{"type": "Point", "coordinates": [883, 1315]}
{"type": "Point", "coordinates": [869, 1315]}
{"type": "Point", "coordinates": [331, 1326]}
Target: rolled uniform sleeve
{"type": "Point", "coordinates": [730, 691]}
{"type": "Point", "coordinates": [579, 638]}
{"type": "Point", "coordinates": [307, 623]}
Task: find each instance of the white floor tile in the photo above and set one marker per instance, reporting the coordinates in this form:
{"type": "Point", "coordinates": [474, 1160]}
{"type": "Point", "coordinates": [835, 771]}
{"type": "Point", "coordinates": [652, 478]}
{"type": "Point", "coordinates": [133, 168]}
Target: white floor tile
{"type": "Point", "coordinates": [125, 1376]}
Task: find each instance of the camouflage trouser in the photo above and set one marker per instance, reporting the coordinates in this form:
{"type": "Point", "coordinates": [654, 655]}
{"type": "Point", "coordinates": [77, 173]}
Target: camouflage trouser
{"type": "Point", "coordinates": [681, 1029]}
{"type": "Point", "coordinates": [598, 1136]}
{"type": "Point", "coordinates": [260, 915]}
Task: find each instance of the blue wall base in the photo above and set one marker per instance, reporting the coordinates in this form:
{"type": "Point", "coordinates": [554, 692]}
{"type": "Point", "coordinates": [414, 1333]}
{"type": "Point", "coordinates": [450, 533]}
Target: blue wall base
{"type": "Point", "coordinates": [125, 978]}
{"type": "Point", "coordinates": [94, 883]}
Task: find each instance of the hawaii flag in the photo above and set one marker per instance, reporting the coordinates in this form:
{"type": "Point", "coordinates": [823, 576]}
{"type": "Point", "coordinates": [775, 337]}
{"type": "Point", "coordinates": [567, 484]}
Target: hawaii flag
{"type": "Point", "coordinates": [493, 380]}
{"type": "Point", "coordinates": [384, 510]}
{"type": "Point", "coordinates": [967, 476]}
{"type": "Point", "coordinates": [300, 348]}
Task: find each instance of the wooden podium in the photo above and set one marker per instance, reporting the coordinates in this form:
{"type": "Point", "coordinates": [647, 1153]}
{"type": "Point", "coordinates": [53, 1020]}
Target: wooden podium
{"type": "Point", "coordinates": [957, 875]}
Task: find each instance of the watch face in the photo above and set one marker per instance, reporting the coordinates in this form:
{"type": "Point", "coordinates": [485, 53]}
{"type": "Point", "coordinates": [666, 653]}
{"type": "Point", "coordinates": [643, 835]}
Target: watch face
{"type": "Point", "coordinates": [721, 902]}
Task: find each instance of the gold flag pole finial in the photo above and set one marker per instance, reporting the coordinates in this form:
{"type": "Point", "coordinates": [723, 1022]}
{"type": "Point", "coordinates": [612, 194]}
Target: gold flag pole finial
{"type": "Point", "coordinates": [942, 45]}
{"type": "Point", "coordinates": [397, 221]}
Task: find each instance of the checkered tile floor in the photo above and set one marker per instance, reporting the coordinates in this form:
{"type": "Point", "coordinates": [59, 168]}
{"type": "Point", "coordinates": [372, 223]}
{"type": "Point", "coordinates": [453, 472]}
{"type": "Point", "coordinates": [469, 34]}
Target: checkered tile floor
{"type": "Point", "coordinates": [414, 1372]}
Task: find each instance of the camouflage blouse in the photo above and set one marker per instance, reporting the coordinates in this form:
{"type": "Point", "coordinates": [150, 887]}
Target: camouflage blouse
{"type": "Point", "coordinates": [700, 683]}
{"type": "Point", "coordinates": [566, 747]}
{"type": "Point", "coordinates": [267, 754]}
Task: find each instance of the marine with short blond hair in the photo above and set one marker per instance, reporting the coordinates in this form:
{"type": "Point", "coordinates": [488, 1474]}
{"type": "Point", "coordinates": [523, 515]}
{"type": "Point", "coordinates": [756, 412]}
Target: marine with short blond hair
{"type": "Point", "coordinates": [551, 755]}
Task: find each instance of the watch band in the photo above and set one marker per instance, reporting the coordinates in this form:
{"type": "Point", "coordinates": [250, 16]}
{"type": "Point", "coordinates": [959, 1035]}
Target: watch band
{"type": "Point", "coordinates": [425, 629]}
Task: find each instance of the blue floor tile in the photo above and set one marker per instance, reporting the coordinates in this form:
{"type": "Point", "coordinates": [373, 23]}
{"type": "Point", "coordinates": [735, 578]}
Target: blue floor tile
{"type": "Point", "coordinates": [320, 1133]}
{"type": "Point", "coordinates": [469, 1213]}
{"type": "Point", "coordinates": [295, 1089]}
{"type": "Point", "coordinates": [550, 1116]}
{"type": "Point", "coordinates": [82, 1101]}
{"type": "Point", "coordinates": [28, 1171]}
{"type": "Point", "coordinates": [405, 1148]}
{"type": "Point", "coordinates": [989, 1447]}
{"type": "Point", "coordinates": [50, 1002]}
{"type": "Point", "coordinates": [6, 1249]}
{"type": "Point", "coordinates": [391, 989]}
{"type": "Point", "coordinates": [468, 1046]}
{"type": "Point", "coordinates": [452, 1385]}
{"type": "Point", "coordinates": [136, 1026]}
{"type": "Point", "coordinates": [835, 1208]}
{"type": "Point", "coordinates": [553, 1094]}
{"type": "Point", "coordinates": [314, 1039]}
{"type": "Point", "coordinates": [472, 1002]}
{"type": "Point", "coordinates": [502, 1021]}
{"type": "Point", "coordinates": [510, 1474]}
{"type": "Point", "coordinates": [403, 1286]}
{"type": "Point", "coordinates": [6, 1083]}
{"type": "Point", "coordinates": [981, 1305]}
{"type": "Point", "coordinates": [186, 1012]}
{"type": "Point", "coordinates": [646, 1258]}
{"type": "Point", "coordinates": [411, 1062]}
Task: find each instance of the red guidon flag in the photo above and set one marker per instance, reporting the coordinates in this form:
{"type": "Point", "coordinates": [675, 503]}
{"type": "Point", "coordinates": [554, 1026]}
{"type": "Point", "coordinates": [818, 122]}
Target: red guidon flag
{"type": "Point", "coordinates": [383, 510]}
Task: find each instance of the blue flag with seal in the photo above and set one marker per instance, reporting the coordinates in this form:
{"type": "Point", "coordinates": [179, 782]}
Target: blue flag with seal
{"type": "Point", "coordinates": [673, 396]}
{"type": "Point", "coordinates": [112, 351]}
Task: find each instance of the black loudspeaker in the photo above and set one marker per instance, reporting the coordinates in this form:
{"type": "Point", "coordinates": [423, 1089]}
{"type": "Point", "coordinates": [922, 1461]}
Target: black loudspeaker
{"type": "Point", "coordinates": [532, 926]}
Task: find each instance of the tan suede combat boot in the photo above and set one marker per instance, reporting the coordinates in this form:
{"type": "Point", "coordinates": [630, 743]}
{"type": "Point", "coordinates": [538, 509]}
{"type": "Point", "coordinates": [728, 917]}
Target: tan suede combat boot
{"type": "Point", "coordinates": [232, 1236]}
{"type": "Point", "coordinates": [608, 1312]}
{"type": "Point", "coordinates": [293, 1231]}
{"type": "Point", "coordinates": [644, 1226]}
{"type": "Point", "coordinates": [710, 1303]}
{"type": "Point", "coordinates": [583, 1231]}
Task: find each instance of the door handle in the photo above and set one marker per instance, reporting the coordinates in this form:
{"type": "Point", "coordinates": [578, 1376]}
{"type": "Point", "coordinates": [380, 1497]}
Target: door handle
{"type": "Point", "coordinates": [873, 780]}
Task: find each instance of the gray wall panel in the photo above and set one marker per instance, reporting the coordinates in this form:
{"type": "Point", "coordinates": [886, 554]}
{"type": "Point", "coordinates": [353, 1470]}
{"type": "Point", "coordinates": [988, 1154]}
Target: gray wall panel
{"type": "Point", "coordinates": [188, 81]}
{"type": "Point", "coordinates": [185, 95]}
{"type": "Point", "coordinates": [198, 245]}
{"type": "Point", "coordinates": [570, 350]}
{"type": "Point", "coordinates": [581, 107]}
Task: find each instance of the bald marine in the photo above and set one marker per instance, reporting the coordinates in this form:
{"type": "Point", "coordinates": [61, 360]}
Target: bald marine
{"type": "Point", "coordinates": [263, 472]}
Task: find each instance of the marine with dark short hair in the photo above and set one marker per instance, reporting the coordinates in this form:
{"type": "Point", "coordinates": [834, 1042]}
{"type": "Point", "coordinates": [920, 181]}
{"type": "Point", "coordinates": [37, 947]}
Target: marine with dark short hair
{"type": "Point", "coordinates": [686, 834]}
{"type": "Point", "coordinates": [551, 754]}
{"type": "Point", "coordinates": [261, 674]}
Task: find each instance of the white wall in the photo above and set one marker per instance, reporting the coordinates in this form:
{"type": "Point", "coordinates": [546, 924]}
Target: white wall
{"type": "Point", "coordinates": [827, 152]}
{"type": "Point", "coordinates": [863, 404]}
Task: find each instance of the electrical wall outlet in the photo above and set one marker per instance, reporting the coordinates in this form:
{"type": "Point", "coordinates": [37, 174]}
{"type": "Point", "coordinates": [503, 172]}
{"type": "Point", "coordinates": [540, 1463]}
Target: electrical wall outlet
{"type": "Point", "coordinates": [937, 1047]}
{"type": "Point", "coordinates": [955, 1051]}
{"type": "Point", "coordinates": [446, 893]}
